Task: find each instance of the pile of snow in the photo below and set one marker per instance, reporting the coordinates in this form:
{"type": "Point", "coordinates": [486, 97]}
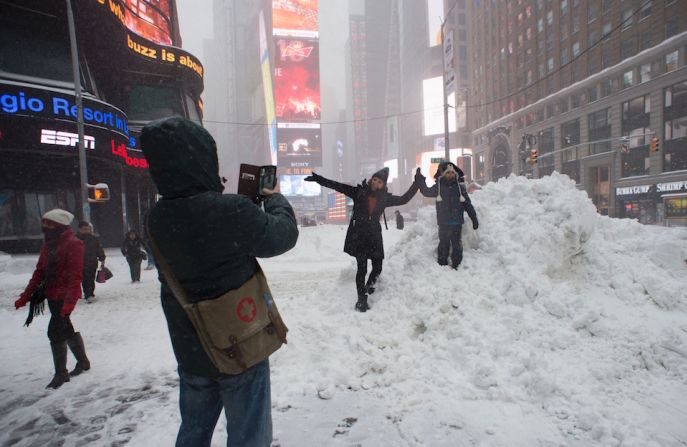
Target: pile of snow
{"type": "Point", "coordinates": [560, 328]}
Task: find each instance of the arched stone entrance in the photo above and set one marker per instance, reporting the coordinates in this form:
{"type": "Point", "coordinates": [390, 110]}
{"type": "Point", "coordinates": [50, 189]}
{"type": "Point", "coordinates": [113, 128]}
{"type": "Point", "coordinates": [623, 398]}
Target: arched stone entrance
{"type": "Point", "coordinates": [501, 163]}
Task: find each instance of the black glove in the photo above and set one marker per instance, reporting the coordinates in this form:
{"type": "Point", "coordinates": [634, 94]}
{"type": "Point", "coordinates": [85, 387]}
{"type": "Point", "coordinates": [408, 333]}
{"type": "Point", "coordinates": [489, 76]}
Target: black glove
{"type": "Point", "coordinates": [418, 176]}
{"type": "Point", "coordinates": [312, 178]}
{"type": "Point", "coordinates": [475, 224]}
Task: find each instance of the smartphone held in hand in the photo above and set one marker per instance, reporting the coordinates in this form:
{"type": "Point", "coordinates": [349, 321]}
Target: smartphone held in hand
{"type": "Point", "coordinates": [253, 179]}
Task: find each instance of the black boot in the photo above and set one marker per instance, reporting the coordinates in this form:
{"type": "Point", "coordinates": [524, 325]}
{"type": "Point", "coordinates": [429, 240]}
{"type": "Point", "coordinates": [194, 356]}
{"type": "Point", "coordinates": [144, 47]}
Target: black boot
{"type": "Point", "coordinates": [59, 357]}
{"type": "Point", "coordinates": [361, 305]}
{"type": "Point", "coordinates": [76, 346]}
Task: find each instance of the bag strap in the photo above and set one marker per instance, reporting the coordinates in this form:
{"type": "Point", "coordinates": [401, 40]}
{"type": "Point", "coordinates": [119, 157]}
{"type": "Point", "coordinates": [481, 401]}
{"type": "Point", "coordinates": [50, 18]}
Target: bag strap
{"type": "Point", "coordinates": [172, 281]}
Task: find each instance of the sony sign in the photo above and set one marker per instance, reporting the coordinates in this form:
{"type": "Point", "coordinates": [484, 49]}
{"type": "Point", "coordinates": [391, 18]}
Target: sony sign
{"type": "Point", "coordinates": [61, 138]}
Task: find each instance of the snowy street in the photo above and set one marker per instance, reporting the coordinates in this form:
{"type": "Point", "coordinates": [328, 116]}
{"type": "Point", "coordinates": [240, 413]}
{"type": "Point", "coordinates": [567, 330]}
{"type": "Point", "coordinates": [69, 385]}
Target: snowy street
{"type": "Point", "coordinates": [560, 328]}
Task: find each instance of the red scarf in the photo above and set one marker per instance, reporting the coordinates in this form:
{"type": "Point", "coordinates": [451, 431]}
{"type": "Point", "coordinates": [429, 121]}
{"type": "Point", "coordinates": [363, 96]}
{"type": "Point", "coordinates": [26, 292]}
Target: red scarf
{"type": "Point", "coordinates": [371, 204]}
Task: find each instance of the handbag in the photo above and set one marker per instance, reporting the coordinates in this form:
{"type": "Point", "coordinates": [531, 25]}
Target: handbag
{"type": "Point", "coordinates": [103, 274]}
{"type": "Point", "coordinates": [237, 330]}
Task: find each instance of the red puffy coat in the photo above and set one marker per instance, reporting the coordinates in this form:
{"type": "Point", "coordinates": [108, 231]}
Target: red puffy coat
{"type": "Point", "coordinates": [68, 272]}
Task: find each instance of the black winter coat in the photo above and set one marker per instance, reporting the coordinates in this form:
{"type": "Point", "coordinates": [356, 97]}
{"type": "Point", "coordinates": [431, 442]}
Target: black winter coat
{"type": "Point", "coordinates": [92, 251]}
{"type": "Point", "coordinates": [133, 249]}
{"type": "Point", "coordinates": [450, 209]}
{"type": "Point", "coordinates": [364, 235]}
{"type": "Point", "coordinates": [210, 240]}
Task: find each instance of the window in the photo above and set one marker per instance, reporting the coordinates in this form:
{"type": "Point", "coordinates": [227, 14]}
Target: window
{"type": "Point", "coordinates": [37, 51]}
{"type": "Point", "coordinates": [645, 11]}
{"type": "Point", "coordinates": [549, 18]}
{"type": "Point", "coordinates": [540, 25]}
{"type": "Point", "coordinates": [564, 7]}
{"type": "Point", "coordinates": [550, 110]}
{"type": "Point", "coordinates": [606, 88]}
{"type": "Point", "coordinates": [599, 130]}
{"type": "Point", "coordinates": [563, 105]}
{"type": "Point", "coordinates": [593, 11]}
{"type": "Point", "coordinates": [606, 31]}
{"type": "Point", "coordinates": [598, 120]}
{"type": "Point", "coordinates": [564, 56]}
{"type": "Point", "coordinates": [676, 95]}
{"type": "Point", "coordinates": [147, 102]}
{"type": "Point", "coordinates": [575, 49]}
{"type": "Point", "coordinates": [627, 79]}
{"type": "Point", "coordinates": [575, 100]}
{"type": "Point", "coordinates": [637, 160]}
{"type": "Point", "coordinates": [592, 94]}
{"type": "Point", "coordinates": [636, 108]}
{"type": "Point", "coordinates": [671, 61]}
{"type": "Point", "coordinates": [593, 37]}
{"type": "Point", "coordinates": [605, 6]}
{"type": "Point", "coordinates": [550, 64]}
{"type": "Point", "coordinates": [676, 128]}
{"type": "Point", "coordinates": [627, 47]}
{"type": "Point", "coordinates": [644, 41]}
{"type": "Point", "coordinates": [575, 24]}
{"type": "Point", "coordinates": [627, 19]}
{"type": "Point", "coordinates": [606, 57]}
{"type": "Point", "coordinates": [545, 145]}
{"type": "Point", "coordinates": [645, 73]}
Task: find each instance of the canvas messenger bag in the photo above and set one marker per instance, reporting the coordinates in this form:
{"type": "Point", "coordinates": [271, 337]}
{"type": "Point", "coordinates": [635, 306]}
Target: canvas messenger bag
{"type": "Point", "coordinates": [238, 329]}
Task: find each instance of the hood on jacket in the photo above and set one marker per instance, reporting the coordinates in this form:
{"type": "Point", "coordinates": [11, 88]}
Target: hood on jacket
{"type": "Point", "coordinates": [445, 166]}
{"type": "Point", "coordinates": [182, 157]}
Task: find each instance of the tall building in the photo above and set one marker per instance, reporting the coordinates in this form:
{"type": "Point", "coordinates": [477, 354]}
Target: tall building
{"type": "Point", "coordinates": [133, 70]}
{"type": "Point", "coordinates": [598, 88]}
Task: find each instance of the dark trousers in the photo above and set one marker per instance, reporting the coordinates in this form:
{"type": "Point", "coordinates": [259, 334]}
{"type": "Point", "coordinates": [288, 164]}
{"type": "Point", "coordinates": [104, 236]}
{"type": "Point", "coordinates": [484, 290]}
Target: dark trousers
{"type": "Point", "coordinates": [88, 281]}
{"type": "Point", "coordinates": [362, 272]}
{"type": "Point", "coordinates": [134, 269]}
{"type": "Point", "coordinates": [59, 328]}
{"type": "Point", "coordinates": [450, 237]}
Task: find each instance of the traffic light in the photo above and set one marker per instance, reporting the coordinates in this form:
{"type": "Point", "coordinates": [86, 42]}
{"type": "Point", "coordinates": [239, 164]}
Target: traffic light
{"type": "Point", "coordinates": [533, 156]}
{"type": "Point", "coordinates": [654, 144]}
{"type": "Point", "coordinates": [98, 193]}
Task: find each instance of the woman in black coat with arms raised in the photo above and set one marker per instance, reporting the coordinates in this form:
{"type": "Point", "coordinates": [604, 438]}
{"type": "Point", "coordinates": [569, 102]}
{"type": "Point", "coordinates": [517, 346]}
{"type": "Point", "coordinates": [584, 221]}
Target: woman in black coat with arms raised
{"type": "Point", "coordinates": [364, 235]}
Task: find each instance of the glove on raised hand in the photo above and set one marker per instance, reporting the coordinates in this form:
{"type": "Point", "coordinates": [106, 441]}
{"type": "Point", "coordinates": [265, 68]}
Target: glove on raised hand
{"type": "Point", "coordinates": [67, 308]}
{"type": "Point", "coordinates": [312, 177]}
{"type": "Point", "coordinates": [475, 224]}
{"type": "Point", "coordinates": [418, 176]}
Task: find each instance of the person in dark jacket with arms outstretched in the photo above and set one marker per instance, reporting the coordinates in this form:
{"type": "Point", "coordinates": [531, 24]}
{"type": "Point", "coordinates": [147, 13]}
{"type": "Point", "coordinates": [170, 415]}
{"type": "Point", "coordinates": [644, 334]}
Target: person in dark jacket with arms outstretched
{"type": "Point", "coordinates": [210, 241]}
{"type": "Point", "coordinates": [452, 202]}
{"type": "Point", "coordinates": [364, 236]}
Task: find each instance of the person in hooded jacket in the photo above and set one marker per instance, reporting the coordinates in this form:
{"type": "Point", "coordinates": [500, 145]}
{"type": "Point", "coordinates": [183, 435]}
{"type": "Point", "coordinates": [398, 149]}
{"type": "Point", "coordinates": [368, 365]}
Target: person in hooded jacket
{"type": "Point", "coordinates": [58, 273]}
{"type": "Point", "coordinates": [364, 235]}
{"type": "Point", "coordinates": [210, 241]}
{"type": "Point", "coordinates": [452, 202]}
{"type": "Point", "coordinates": [132, 249]}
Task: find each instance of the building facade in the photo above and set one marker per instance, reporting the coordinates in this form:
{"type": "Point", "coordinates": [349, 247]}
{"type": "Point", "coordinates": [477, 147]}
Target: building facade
{"type": "Point", "coordinates": [132, 71]}
{"type": "Point", "coordinates": [597, 88]}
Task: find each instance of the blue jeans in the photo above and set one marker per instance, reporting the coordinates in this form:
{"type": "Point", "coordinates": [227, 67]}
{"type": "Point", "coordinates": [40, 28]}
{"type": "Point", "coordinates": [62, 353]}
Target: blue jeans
{"type": "Point", "coordinates": [246, 402]}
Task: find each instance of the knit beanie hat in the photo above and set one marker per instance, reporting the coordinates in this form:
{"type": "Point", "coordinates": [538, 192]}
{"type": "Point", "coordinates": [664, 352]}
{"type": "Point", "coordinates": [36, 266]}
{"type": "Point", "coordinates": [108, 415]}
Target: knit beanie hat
{"type": "Point", "coordinates": [382, 174]}
{"type": "Point", "coordinates": [59, 216]}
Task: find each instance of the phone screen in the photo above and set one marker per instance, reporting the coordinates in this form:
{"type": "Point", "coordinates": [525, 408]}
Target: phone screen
{"type": "Point", "coordinates": [268, 177]}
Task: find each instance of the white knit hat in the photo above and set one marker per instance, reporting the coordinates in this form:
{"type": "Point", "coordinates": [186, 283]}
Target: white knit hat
{"type": "Point", "coordinates": [59, 216]}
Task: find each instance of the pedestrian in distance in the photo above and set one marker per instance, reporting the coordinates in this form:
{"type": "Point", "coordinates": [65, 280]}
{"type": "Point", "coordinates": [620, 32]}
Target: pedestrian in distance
{"type": "Point", "coordinates": [451, 204]}
{"type": "Point", "coordinates": [132, 249]}
{"type": "Point", "coordinates": [92, 254]}
{"type": "Point", "coordinates": [210, 242]}
{"type": "Point", "coordinates": [57, 279]}
{"type": "Point", "coordinates": [364, 235]}
{"type": "Point", "coordinates": [399, 220]}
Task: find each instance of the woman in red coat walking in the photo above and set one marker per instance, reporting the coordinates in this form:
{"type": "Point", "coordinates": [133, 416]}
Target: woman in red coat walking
{"type": "Point", "coordinates": [57, 278]}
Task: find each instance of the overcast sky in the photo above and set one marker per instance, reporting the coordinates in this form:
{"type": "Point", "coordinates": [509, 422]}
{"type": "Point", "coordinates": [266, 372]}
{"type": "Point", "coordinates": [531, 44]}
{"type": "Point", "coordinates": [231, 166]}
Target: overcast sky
{"type": "Point", "coordinates": [195, 22]}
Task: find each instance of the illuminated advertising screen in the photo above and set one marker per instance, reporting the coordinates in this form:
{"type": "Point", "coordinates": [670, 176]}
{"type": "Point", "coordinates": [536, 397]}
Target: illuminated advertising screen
{"type": "Point", "coordinates": [294, 17]}
{"type": "Point", "coordinates": [149, 19]}
{"type": "Point", "coordinates": [435, 14]}
{"type": "Point", "coordinates": [433, 106]}
{"type": "Point", "coordinates": [297, 79]}
{"type": "Point", "coordinates": [299, 145]}
{"type": "Point", "coordinates": [294, 185]}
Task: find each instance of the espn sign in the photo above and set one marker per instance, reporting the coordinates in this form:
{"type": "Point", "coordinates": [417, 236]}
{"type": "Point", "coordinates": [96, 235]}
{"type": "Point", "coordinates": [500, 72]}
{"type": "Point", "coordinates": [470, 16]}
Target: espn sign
{"type": "Point", "coordinates": [61, 138]}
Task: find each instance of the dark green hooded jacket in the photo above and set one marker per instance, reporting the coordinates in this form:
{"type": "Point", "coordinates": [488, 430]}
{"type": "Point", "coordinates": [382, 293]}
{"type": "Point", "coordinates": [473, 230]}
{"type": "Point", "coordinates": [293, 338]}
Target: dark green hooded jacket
{"type": "Point", "coordinates": [209, 239]}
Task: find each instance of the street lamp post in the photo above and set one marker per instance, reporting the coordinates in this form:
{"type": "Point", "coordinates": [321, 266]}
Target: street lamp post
{"type": "Point", "coordinates": [83, 172]}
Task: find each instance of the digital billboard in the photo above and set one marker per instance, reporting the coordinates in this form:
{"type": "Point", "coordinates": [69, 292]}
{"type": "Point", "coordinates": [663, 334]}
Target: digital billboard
{"type": "Point", "coordinates": [433, 106]}
{"type": "Point", "coordinates": [294, 18]}
{"type": "Point", "coordinates": [297, 79]}
{"type": "Point", "coordinates": [267, 90]}
{"type": "Point", "coordinates": [299, 145]}
{"type": "Point", "coordinates": [149, 19]}
{"type": "Point", "coordinates": [435, 14]}
{"type": "Point", "coordinates": [294, 185]}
